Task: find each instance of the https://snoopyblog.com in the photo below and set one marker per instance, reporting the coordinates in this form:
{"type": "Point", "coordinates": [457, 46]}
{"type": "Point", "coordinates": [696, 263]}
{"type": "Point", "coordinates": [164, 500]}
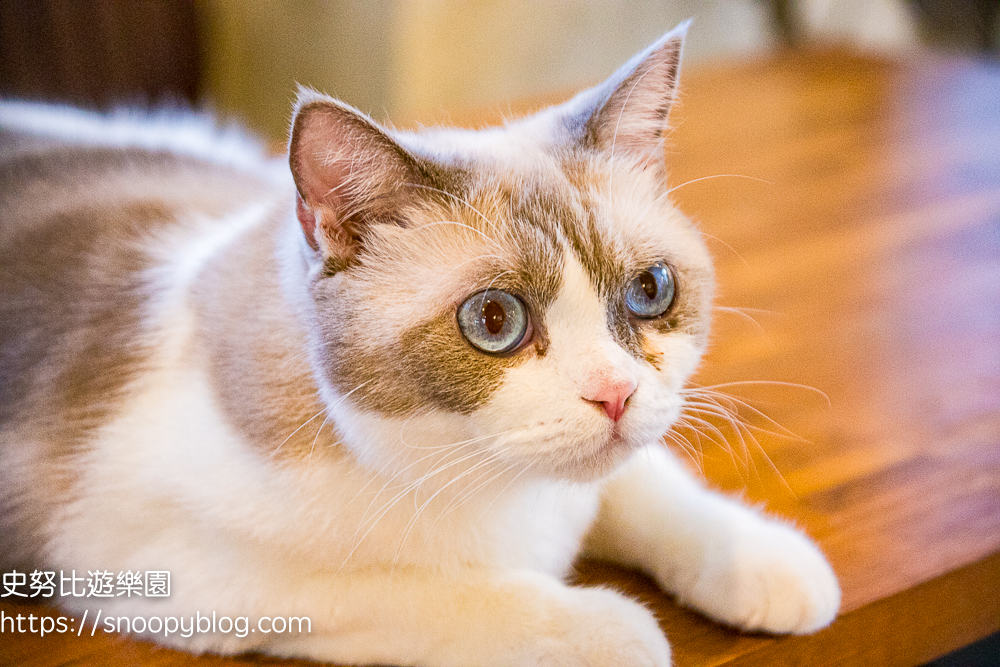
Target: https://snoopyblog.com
{"type": "Point", "coordinates": [105, 584]}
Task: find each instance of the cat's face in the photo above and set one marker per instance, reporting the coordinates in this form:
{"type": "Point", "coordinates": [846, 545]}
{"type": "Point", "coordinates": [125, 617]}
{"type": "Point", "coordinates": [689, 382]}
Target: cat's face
{"type": "Point", "coordinates": [526, 298]}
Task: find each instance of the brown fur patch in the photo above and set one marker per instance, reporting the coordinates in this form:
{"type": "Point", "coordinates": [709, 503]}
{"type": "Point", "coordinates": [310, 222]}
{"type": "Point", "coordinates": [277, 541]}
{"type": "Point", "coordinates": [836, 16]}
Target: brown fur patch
{"type": "Point", "coordinates": [75, 222]}
{"type": "Point", "coordinates": [259, 368]}
{"type": "Point", "coordinates": [432, 365]}
{"type": "Point", "coordinates": [612, 267]}
{"type": "Point", "coordinates": [69, 344]}
{"type": "Point", "coordinates": [427, 364]}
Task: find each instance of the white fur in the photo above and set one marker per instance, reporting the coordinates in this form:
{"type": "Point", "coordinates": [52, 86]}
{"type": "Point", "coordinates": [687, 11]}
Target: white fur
{"type": "Point", "coordinates": [711, 552]}
{"type": "Point", "coordinates": [174, 131]}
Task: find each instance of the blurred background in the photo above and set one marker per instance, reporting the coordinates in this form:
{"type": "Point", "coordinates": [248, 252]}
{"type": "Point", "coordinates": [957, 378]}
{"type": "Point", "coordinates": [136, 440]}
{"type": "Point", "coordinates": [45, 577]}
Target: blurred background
{"type": "Point", "coordinates": [420, 61]}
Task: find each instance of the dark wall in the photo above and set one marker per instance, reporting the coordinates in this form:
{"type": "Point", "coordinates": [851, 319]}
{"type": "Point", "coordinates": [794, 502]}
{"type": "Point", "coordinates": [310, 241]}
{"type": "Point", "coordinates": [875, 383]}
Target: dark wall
{"type": "Point", "coordinates": [100, 52]}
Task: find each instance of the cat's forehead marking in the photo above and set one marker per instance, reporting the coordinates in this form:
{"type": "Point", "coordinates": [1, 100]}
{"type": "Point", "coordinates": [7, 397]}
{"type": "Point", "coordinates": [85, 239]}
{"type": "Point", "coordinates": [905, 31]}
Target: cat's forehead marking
{"type": "Point", "coordinates": [421, 361]}
{"type": "Point", "coordinates": [543, 205]}
{"type": "Point", "coordinates": [563, 212]}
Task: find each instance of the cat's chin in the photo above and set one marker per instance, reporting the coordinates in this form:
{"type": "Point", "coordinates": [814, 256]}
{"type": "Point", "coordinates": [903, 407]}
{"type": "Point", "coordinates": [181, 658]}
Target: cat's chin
{"type": "Point", "coordinates": [600, 462]}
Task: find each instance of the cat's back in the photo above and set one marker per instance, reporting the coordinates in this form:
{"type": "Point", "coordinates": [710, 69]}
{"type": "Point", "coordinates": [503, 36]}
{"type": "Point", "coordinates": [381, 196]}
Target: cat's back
{"type": "Point", "coordinates": [90, 207]}
{"type": "Point", "coordinates": [64, 165]}
{"type": "Point", "coordinates": [88, 204]}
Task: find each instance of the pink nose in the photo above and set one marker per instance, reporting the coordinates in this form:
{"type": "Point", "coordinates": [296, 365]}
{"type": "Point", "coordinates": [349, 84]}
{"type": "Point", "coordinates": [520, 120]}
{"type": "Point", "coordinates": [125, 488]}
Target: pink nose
{"type": "Point", "coordinates": [612, 395]}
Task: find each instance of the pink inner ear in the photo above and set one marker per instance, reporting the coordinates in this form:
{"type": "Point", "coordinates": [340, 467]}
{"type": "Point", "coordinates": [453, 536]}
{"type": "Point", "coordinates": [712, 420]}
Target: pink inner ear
{"type": "Point", "coordinates": [307, 218]}
{"type": "Point", "coordinates": [347, 171]}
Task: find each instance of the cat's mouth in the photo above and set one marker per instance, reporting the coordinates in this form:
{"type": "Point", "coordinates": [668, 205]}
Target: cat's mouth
{"type": "Point", "coordinates": [602, 459]}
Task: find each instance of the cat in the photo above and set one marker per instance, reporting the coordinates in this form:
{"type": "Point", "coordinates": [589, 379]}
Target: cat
{"type": "Point", "coordinates": [395, 389]}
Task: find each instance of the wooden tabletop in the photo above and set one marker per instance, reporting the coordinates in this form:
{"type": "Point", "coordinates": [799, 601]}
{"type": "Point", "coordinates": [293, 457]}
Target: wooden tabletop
{"type": "Point", "coordinates": [853, 206]}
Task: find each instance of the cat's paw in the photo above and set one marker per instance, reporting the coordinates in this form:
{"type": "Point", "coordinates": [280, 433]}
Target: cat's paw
{"type": "Point", "coordinates": [769, 577]}
{"type": "Point", "coordinates": [600, 628]}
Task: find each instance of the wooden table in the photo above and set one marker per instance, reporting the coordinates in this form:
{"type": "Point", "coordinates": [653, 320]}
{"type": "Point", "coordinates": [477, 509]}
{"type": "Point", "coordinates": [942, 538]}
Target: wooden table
{"type": "Point", "coordinates": [854, 209]}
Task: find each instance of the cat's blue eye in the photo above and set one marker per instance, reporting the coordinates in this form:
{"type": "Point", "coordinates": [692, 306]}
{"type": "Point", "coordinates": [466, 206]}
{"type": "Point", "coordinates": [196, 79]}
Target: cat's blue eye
{"type": "Point", "coordinates": [651, 293]}
{"type": "Point", "coordinates": [493, 321]}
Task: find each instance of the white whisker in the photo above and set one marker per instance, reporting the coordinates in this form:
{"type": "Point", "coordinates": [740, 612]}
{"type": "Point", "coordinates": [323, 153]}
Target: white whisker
{"type": "Point", "coordinates": [447, 457]}
{"type": "Point", "coordinates": [301, 426]}
{"type": "Point", "coordinates": [464, 202]}
{"type": "Point", "coordinates": [705, 403]}
{"type": "Point", "coordinates": [705, 178]}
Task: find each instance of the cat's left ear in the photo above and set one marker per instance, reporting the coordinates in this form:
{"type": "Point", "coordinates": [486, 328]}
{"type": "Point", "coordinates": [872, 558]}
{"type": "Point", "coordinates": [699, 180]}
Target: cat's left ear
{"type": "Point", "coordinates": [350, 175]}
{"type": "Point", "coordinates": [627, 113]}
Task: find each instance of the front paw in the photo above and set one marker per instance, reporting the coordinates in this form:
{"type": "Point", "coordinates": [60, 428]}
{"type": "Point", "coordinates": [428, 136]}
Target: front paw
{"type": "Point", "coordinates": [600, 628]}
{"type": "Point", "coordinates": [768, 577]}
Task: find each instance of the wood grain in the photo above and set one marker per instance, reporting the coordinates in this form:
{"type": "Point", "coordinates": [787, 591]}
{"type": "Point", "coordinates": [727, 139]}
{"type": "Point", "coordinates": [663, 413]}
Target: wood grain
{"type": "Point", "coordinates": [854, 209]}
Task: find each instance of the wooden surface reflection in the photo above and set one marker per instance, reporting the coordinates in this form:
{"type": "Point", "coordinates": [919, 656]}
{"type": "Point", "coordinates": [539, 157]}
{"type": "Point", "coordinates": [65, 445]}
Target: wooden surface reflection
{"type": "Point", "coordinates": [854, 207]}
{"type": "Point", "coordinates": [868, 257]}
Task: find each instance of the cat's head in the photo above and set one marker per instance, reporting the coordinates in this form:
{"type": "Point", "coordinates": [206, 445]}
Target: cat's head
{"type": "Point", "coordinates": [525, 295]}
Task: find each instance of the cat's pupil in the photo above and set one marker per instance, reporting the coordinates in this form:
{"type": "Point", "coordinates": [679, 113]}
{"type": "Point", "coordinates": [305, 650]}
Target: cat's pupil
{"type": "Point", "coordinates": [493, 317]}
{"type": "Point", "coordinates": [648, 283]}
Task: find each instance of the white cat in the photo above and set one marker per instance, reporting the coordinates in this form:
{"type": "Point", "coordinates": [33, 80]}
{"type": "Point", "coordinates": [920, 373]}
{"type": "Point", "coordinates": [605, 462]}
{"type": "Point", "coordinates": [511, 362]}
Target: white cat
{"type": "Point", "coordinates": [396, 399]}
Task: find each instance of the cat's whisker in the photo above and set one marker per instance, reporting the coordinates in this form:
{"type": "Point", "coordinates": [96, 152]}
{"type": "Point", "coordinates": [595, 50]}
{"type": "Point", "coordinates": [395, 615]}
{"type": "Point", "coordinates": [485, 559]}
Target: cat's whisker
{"type": "Point", "coordinates": [419, 511]}
{"type": "Point", "coordinates": [326, 419]}
{"type": "Point", "coordinates": [706, 178]}
{"type": "Point", "coordinates": [656, 202]}
{"type": "Point", "coordinates": [684, 434]}
{"type": "Point", "coordinates": [312, 449]}
{"type": "Point", "coordinates": [398, 474]}
{"type": "Point", "coordinates": [428, 225]}
{"type": "Point", "coordinates": [445, 467]}
{"type": "Point", "coordinates": [744, 309]}
{"type": "Point", "coordinates": [494, 279]}
{"type": "Point", "coordinates": [455, 444]}
{"type": "Point", "coordinates": [735, 404]}
{"type": "Point", "coordinates": [405, 491]}
{"type": "Point", "coordinates": [741, 432]}
{"type": "Point", "coordinates": [475, 486]}
{"type": "Point", "coordinates": [387, 484]}
{"type": "Point", "coordinates": [742, 314]}
{"type": "Point", "coordinates": [728, 247]}
{"type": "Point", "coordinates": [371, 478]}
{"type": "Point", "coordinates": [471, 260]}
{"type": "Point", "coordinates": [715, 434]}
{"type": "Point", "coordinates": [501, 492]}
{"type": "Point", "coordinates": [694, 453]}
{"type": "Point", "coordinates": [711, 402]}
{"type": "Point", "coordinates": [378, 516]}
{"type": "Point", "coordinates": [464, 202]}
{"type": "Point", "coordinates": [699, 425]}
{"type": "Point", "coordinates": [274, 452]}
{"type": "Point", "coordinates": [437, 468]}
{"type": "Point", "coordinates": [745, 433]}
{"type": "Point", "coordinates": [482, 299]}
{"type": "Point", "coordinates": [769, 383]}
{"type": "Point", "coordinates": [448, 450]}
{"type": "Point", "coordinates": [469, 492]}
{"type": "Point", "coordinates": [667, 193]}
{"type": "Point", "coordinates": [653, 154]}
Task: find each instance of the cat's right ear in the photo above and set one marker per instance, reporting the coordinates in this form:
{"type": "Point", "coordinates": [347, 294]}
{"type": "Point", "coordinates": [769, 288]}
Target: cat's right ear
{"type": "Point", "coordinates": [628, 113]}
{"type": "Point", "coordinates": [349, 174]}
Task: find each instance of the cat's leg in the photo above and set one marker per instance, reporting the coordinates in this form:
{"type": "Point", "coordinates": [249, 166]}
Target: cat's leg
{"type": "Point", "coordinates": [713, 553]}
{"type": "Point", "coordinates": [478, 618]}
{"type": "Point", "coordinates": [408, 618]}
